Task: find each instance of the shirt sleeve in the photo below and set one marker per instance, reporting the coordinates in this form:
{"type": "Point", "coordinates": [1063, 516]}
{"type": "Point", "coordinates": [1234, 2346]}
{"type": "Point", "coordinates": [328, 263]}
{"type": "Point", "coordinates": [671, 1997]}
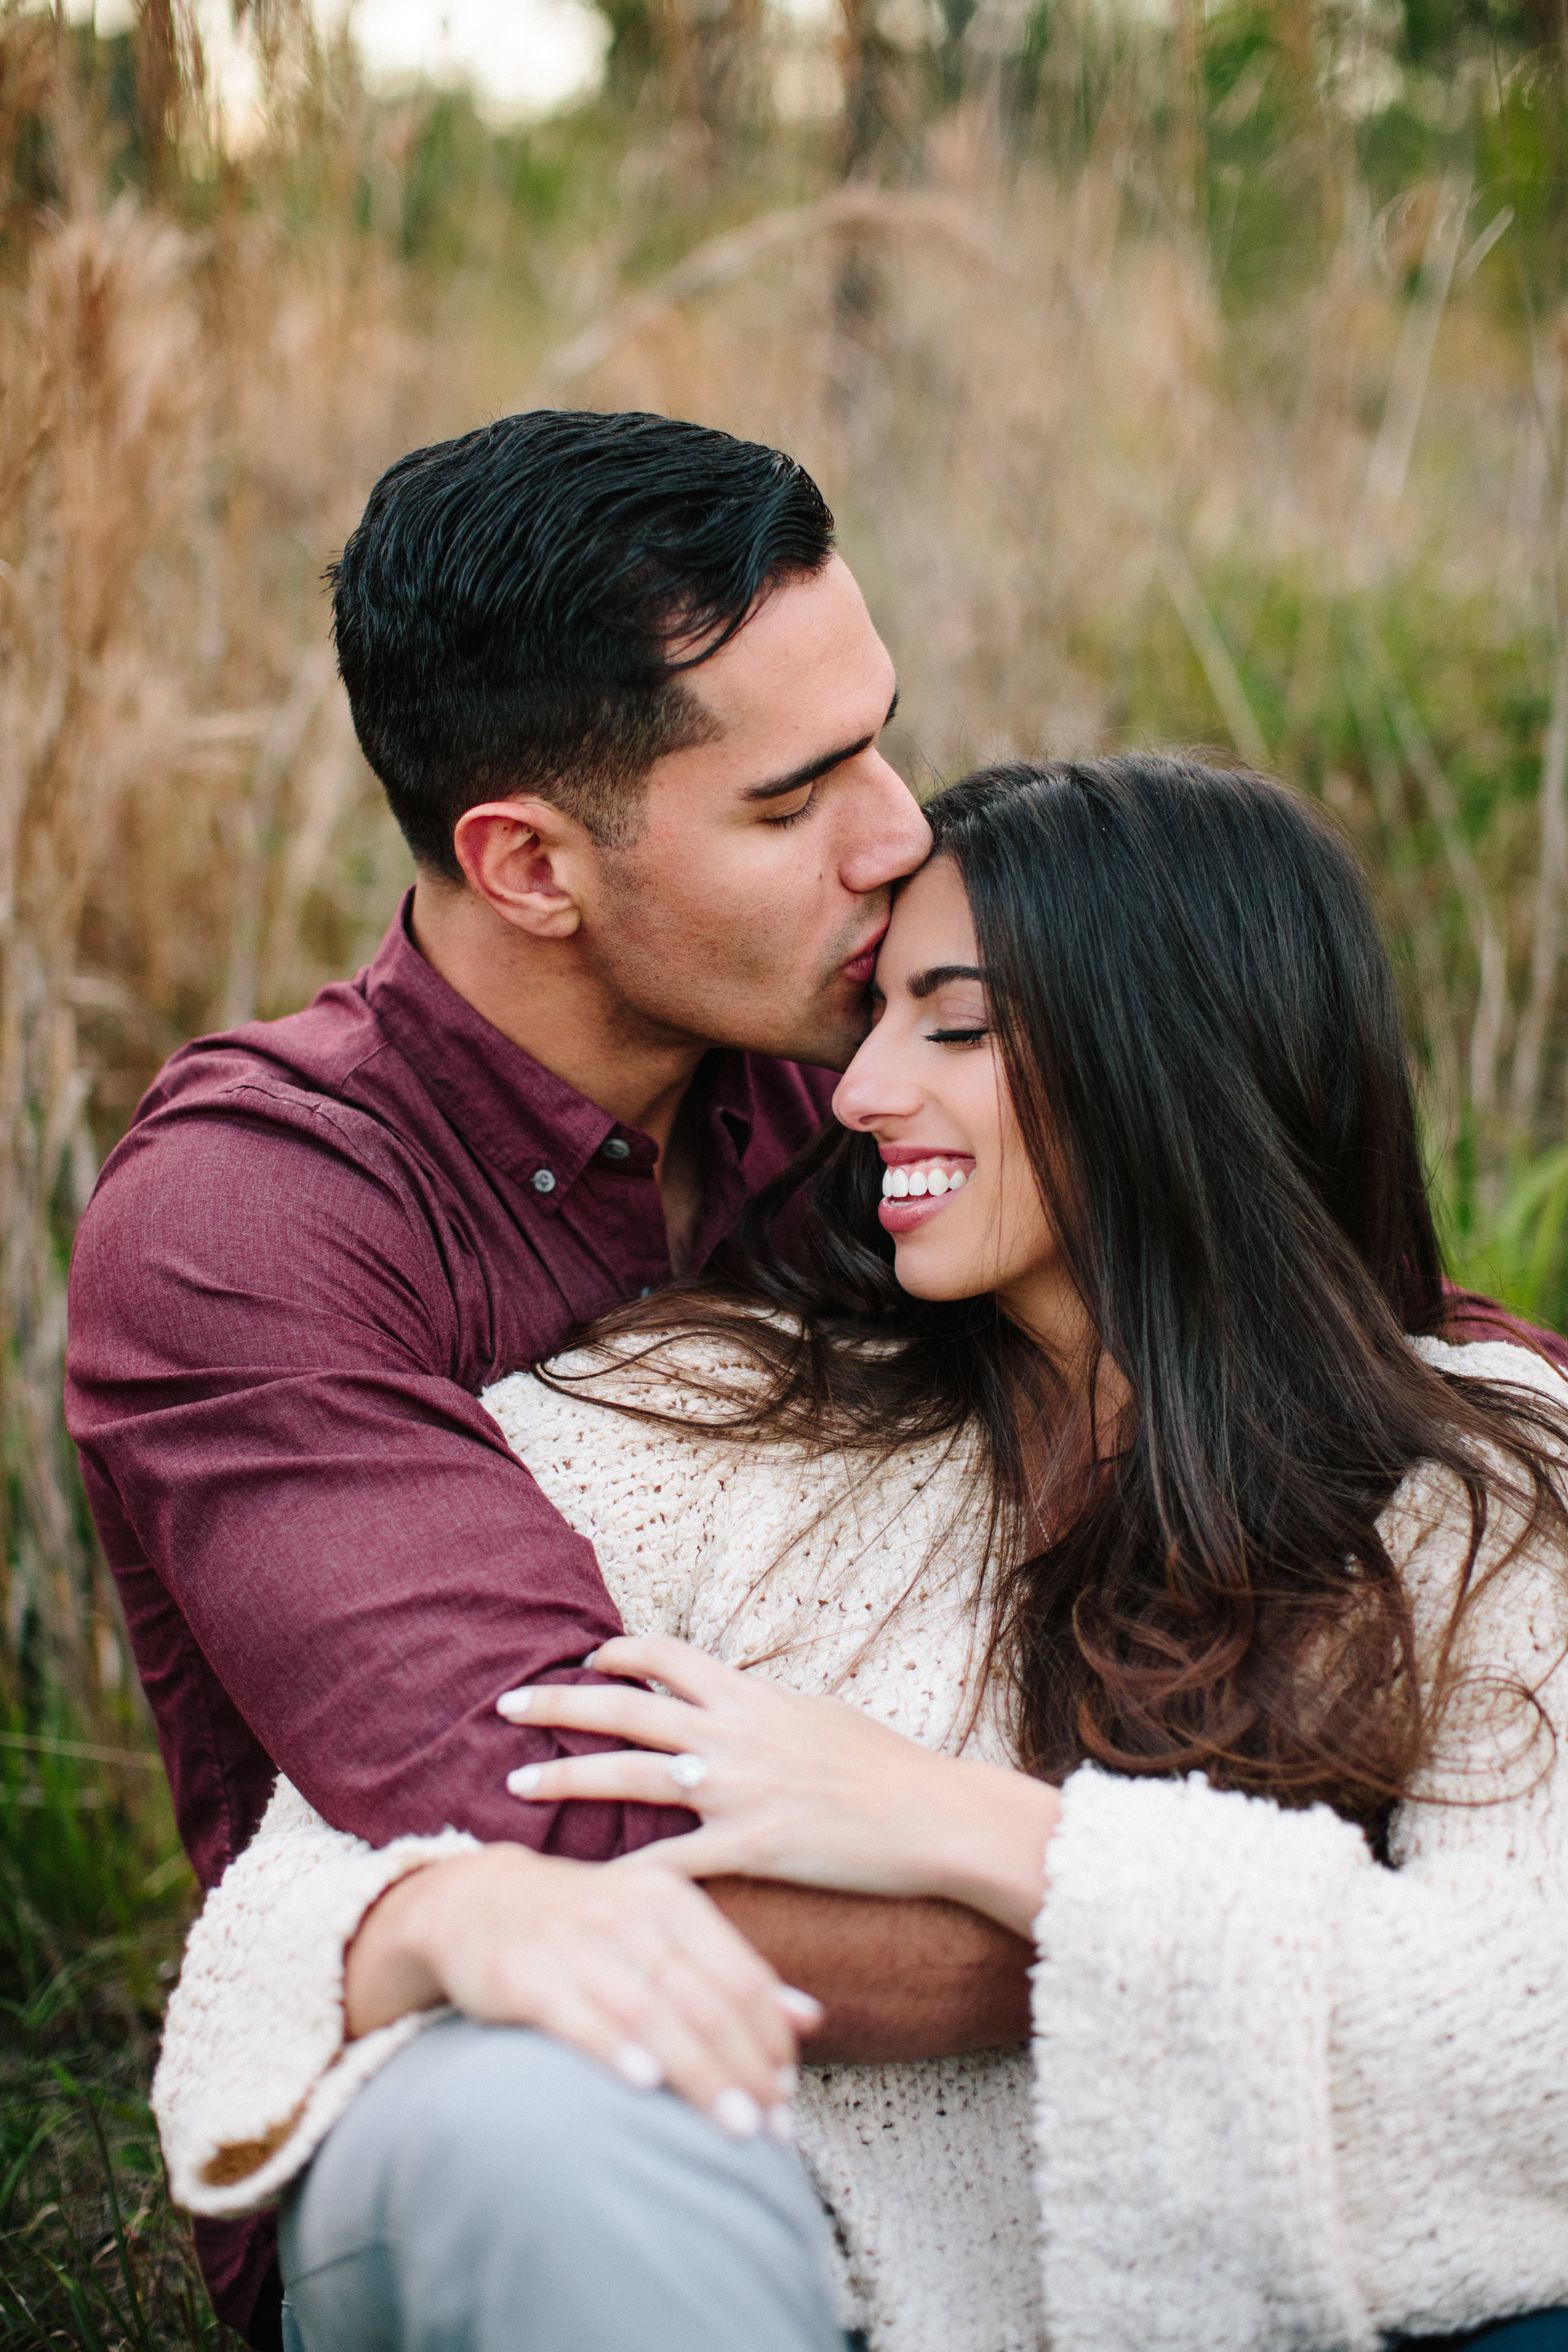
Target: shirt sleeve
{"type": "Point", "coordinates": [1288, 2096]}
{"type": "Point", "coordinates": [262, 1377]}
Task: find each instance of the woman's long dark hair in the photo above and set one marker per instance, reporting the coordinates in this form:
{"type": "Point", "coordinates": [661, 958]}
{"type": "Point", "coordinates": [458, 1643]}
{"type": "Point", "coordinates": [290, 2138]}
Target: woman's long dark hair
{"type": "Point", "coordinates": [1200, 1036]}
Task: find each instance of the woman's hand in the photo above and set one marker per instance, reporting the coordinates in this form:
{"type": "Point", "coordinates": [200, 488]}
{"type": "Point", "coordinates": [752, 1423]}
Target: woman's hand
{"type": "Point", "coordinates": [804, 1789]}
{"type": "Point", "coordinates": [643, 1973]}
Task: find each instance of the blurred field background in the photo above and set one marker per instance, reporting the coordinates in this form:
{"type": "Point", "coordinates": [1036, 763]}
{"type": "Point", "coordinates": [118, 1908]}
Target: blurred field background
{"type": "Point", "coordinates": [1178, 374]}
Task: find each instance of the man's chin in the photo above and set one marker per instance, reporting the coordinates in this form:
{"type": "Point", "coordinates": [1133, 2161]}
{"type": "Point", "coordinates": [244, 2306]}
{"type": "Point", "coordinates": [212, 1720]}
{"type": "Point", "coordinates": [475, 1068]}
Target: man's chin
{"type": "Point", "coordinates": [825, 1034]}
{"type": "Point", "coordinates": [823, 1046]}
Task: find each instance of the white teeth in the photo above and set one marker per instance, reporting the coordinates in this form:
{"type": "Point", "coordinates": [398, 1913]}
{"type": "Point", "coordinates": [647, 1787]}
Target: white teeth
{"type": "Point", "coordinates": [915, 1183]}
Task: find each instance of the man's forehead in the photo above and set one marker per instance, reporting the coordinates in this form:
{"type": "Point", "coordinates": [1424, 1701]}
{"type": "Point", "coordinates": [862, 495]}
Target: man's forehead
{"type": "Point", "coordinates": [809, 637]}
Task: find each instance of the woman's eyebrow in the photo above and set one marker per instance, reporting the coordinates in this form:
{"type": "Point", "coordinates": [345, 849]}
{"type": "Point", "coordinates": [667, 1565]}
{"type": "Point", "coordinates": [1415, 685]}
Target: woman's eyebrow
{"type": "Point", "coordinates": [926, 984]}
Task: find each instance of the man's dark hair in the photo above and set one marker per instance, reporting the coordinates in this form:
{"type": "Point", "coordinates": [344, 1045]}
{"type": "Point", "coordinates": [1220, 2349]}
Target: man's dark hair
{"type": "Point", "coordinates": [517, 608]}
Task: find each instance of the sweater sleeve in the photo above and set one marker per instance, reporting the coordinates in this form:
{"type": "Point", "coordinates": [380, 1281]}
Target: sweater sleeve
{"type": "Point", "coordinates": [255, 2067]}
{"type": "Point", "coordinates": [1290, 2097]}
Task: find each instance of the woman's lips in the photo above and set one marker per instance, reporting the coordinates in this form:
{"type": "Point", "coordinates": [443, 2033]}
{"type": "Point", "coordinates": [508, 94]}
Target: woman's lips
{"type": "Point", "coordinates": [935, 1177]}
{"type": "Point", "coordinates": [903, 1216]}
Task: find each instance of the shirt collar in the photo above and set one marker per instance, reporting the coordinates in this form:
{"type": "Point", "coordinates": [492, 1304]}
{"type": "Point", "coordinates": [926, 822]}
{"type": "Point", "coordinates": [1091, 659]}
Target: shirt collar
{"type": "Point", "coordinates": [509, 1107]}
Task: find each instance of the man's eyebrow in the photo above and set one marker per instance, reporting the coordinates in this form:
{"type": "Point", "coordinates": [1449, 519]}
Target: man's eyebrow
{"type": "Point", "coordinates": [799, 778]}
{"type": "Point", "coordinates": [926, 984]}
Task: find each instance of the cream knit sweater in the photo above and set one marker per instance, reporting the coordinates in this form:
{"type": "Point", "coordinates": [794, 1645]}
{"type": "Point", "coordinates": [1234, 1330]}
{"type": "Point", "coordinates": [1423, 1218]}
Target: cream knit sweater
{"type": "Point", "coordinates": [1279, 2095]}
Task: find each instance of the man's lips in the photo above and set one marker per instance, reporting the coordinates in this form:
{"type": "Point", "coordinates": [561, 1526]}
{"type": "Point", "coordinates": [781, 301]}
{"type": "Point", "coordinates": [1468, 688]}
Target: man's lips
{"type": "Point", "coordinates": [863, 962]}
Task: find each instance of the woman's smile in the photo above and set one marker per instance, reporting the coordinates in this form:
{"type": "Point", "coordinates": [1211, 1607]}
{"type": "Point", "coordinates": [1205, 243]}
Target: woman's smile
{"type": "Point", "coordinates": [918, 1181]}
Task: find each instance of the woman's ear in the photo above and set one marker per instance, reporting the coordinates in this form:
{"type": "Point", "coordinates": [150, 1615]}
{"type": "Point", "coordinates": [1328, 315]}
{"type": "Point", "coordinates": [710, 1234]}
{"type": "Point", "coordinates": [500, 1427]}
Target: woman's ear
{"type": "Point", "coordinates": [528, 861]}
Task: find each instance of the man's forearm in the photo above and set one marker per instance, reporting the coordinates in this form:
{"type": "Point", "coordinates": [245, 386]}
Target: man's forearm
{"type": "Point", "coordinates": [898, 1979]}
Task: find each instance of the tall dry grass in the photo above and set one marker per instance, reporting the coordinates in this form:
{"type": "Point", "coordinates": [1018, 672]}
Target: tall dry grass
{"type": "Point", "coordinates": [189, 417]}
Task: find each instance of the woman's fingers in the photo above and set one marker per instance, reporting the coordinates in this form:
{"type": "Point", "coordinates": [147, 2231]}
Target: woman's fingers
{"type": "Point", "coordinates": [732, 2038]}
{"type": "Point", "coordinates": [647, 1977]}
{"type": "Point", "coordinates": [638, 1715]}
{"type": "Point", "coordinates": [648, 2044]}
{"type": "Point", "coordinates": [627, 1776]}
{"type": "Point", "coordinates": [684, 1984]}
{"type": "Point", "coordinates": [690, 1672]}
{"type": "Point", "coordinates": [740, 1974]}
{"type": "Point", "coordinates": [715, 1850]}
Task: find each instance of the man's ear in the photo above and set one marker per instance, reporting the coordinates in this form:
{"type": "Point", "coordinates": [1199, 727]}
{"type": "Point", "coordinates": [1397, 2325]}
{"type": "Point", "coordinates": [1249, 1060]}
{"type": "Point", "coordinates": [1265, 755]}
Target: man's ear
{"type": "Point", "coordinates": [528, 861]}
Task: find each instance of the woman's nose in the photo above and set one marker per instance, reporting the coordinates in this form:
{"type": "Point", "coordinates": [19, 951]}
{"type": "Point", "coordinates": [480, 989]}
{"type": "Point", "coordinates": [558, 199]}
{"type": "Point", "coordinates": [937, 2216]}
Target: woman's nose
{"type": "Point", "coordinates": [873, 1091]}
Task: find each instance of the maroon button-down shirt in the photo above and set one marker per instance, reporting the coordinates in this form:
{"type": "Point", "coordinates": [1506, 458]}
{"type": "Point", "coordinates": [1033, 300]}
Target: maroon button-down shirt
{"type": "Point", "coordinates": [319, 1240]}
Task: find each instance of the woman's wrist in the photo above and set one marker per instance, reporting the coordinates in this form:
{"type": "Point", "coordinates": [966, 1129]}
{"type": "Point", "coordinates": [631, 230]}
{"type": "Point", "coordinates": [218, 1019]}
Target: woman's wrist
{"type": "Point", "coordinates": [991, 1833]}
{"type": "Point", "coordinates": [397, 1963]}
{"type": "Point", "coordinates": [386, 1972]}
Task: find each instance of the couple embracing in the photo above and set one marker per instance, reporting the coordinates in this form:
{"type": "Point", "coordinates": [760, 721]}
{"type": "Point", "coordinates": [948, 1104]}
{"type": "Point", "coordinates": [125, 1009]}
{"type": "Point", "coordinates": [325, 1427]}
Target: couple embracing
{"type": "Point", "coordinates": [938, 1723]}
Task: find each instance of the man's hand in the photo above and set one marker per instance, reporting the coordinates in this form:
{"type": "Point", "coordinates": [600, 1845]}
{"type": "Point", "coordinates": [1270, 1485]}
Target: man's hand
{"type": "Point", "coordinates": [898, 1978]}
{"type": "Point", "coordinates": [636, 1967]}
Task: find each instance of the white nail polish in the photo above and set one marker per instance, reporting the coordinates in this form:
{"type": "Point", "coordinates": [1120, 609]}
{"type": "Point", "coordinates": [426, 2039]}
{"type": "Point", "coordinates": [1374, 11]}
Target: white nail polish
{"type": "Point", "coordinates": [638, 2066]}
{"type": "Point", "coordinates": [737, 2114]}
{"type": "Point", "coordinates": [780, 2126]}
{"type": "Point", "coordinates": [788, 2081]}
{"type": "Point", "coordinates": [799, 2005]}
{"type": "Point", "coordinates": [514, 1705]}
{"type": "Point", "coordinates": [525, 1779]}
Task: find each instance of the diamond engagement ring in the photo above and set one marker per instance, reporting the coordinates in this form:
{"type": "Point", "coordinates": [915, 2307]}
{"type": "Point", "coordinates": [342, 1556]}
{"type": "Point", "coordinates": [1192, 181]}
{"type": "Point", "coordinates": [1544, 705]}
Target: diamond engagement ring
{"type": "Point", "coordinates": [687, 1771]}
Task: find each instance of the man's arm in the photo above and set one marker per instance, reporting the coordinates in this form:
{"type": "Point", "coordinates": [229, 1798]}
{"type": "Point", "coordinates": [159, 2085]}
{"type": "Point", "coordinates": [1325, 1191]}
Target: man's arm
{"type": "Point", "coordinates": [897, 1980]}
{"type": "Point", "coordinates": [904, 1980]}
{"type": "Point", "coordinates": [259, 1328]}
{"type": "Point", "coordinates": [261, 1337]}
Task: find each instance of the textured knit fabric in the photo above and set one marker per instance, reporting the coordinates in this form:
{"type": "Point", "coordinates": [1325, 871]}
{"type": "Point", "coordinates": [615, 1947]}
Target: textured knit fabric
{"type": "Point", "coordinates": [1279, 2094]}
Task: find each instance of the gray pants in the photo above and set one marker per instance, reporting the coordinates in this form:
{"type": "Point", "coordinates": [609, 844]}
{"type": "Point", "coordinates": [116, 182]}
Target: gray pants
{"type": "Point", "coordinates": [490, 2191]}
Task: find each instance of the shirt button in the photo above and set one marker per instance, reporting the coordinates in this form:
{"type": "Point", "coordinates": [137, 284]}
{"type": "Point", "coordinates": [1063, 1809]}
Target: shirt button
{"type": "Point", "coordinates": [617, 1148]}
{"type": "Point", "coordinates": [544, 1180]}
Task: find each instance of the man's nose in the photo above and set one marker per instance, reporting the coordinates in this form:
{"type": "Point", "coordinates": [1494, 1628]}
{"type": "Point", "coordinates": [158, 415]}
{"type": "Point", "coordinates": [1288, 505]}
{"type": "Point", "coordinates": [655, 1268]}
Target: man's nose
{"type": "Point", "coordinates": [891, 836]}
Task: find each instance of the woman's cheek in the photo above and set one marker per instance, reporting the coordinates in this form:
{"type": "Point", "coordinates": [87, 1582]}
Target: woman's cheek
{"type": "Point", "coordinates": [953, 1256]}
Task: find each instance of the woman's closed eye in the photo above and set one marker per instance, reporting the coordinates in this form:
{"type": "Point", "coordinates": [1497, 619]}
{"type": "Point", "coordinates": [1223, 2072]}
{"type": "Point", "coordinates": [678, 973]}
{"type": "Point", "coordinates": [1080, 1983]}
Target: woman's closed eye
{"type": "Point", "coordinates": [961, 1015]}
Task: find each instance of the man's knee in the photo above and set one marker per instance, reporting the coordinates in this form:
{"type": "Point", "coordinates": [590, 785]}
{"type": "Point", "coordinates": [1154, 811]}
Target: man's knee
{"type": "Point", "coordinates": [484, 2162]}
